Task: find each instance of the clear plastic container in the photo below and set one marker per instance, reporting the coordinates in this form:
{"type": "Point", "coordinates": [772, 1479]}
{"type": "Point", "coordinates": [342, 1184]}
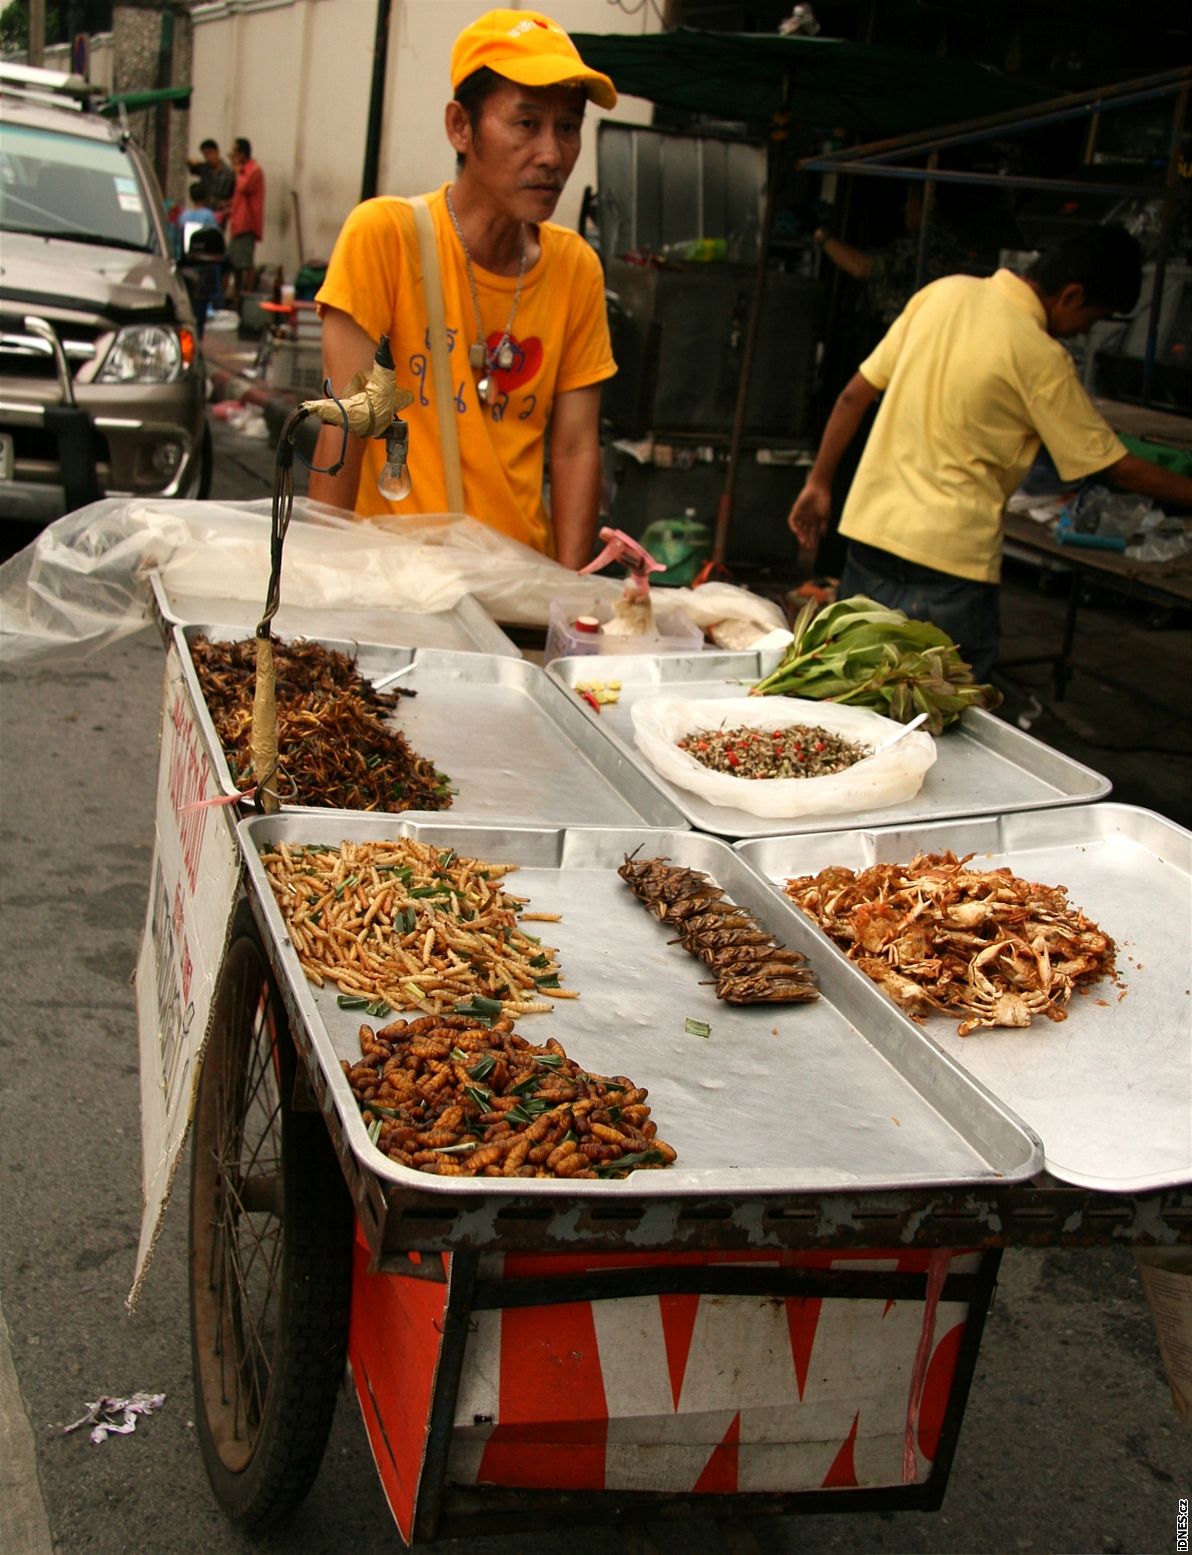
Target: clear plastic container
{"type": "Point", "coordinates": [677, 633]}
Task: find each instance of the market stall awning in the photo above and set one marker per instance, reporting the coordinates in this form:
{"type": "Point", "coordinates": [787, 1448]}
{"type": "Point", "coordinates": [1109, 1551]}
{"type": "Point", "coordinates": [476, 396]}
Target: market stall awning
{"type": "Point", "coordinates": [863, 88]}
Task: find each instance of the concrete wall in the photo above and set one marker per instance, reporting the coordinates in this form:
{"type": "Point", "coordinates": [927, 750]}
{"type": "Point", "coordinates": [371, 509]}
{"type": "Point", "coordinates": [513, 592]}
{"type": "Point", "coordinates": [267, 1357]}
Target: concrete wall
{"type": "Point", "coordinates": [294, 76]}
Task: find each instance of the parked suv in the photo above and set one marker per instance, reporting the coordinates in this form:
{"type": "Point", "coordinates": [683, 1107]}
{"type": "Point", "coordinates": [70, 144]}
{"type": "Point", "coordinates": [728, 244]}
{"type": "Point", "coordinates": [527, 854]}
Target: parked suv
{"type": "Point", "coordinates": [101, 382]}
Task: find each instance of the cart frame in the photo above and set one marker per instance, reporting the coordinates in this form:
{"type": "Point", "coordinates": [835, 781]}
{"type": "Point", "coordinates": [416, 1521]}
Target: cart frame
{"type": "Point", "coordinates": [408, 1238]}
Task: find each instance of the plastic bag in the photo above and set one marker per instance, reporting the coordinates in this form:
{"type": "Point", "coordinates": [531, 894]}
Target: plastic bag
{"type": "Point", "coordinates": [887, 777]}
{"type": "Point", "coordinates": [1160, 538]}
{"type": "Point", "coordinates": [80, 583]}
{"type": "Point", "coordinates": [713, 602]}
{"type": "Point", "coordinates": [1160, 545]}
{"type": "Point", "coordinates": [1096, 510]}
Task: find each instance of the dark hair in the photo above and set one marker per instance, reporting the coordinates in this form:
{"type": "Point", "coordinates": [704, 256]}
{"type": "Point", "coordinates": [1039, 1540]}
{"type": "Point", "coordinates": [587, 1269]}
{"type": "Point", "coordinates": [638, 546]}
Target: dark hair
{"type": "Point", "coordinates": [472, 93]}
{"type": "Point", "coordinates": [243, 146]}
{"type": "Point", "coordinates": [1106, 261]}
{"type": "Point", "coordinates": [209, 145]}
{"type": "Point", "coordinates": [196, 191]}
{"type": "Point", "coordinates": [475, 90]}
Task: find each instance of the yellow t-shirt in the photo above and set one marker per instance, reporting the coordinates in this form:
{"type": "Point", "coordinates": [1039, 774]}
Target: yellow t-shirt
{"type": "Point", "coordinates": [972, 383]}
{"type": "Point", "coordinates": [559, 337]}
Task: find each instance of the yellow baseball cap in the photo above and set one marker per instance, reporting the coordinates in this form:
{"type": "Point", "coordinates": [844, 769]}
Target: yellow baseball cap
{"type": "Point", "coordinates": [526, 47]}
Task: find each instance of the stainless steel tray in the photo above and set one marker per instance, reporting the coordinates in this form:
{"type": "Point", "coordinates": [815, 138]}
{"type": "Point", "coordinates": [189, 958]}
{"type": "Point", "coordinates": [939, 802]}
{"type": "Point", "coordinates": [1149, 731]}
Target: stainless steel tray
{"type": "Point", "coordinates": [1109, 1090]}
{"type": "Point", "coordinates": [516, 747]}
{"type": "Point", "coordinates": [466, 627]}
{"type": "Point", "coordinates": [983, 765]}
{"type": "Point", "coordinates": [838, 1094]}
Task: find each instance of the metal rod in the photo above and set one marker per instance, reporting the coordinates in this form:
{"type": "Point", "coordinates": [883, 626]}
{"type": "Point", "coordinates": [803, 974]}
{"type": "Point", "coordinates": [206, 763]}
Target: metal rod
{"type": "Point", "coordinates": [457, 1322]}
{"type": "Point", "coordinates": [944, 175]}
{"type": "Point", "coordinates": [925, 215]}
{"type": "Point", "coordinates": [1055, 110]}
{"type": "Point", "coordinates": [1166, 222]}
{"type": "Point", "coordinates": [301, 241]}
{"type": "Point", "coordinates": [714, 1280]}
{"type": "Point", "coordinates": [376, 103]}
{"type": "Point", "coordinates": [962, 1376]}
{"type": "Point", "coordinates": [724, 508]}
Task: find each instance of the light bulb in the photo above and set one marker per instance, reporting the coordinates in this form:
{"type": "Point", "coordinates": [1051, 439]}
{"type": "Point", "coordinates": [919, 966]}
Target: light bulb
{"type": "Point", "coordinates": [394, 480]}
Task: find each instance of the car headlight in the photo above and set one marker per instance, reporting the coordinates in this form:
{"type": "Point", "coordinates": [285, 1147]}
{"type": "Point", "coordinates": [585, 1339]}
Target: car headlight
{"type": "Point", "coordinates": [148, 353]}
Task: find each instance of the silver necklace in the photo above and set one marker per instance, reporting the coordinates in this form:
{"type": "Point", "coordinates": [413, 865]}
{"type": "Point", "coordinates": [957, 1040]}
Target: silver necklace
{"type": "Point", "coordinates": [482, 361]}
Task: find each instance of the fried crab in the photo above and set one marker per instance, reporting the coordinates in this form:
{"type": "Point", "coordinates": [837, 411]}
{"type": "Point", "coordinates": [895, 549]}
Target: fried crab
{"type": "Point", "coordinates": [983, 946]}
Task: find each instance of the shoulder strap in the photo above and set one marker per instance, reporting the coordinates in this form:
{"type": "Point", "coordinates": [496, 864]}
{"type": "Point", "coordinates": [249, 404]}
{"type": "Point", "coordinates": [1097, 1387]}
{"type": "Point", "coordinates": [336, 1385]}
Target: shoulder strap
{"type": "Point", "coordinates": [432, 284]}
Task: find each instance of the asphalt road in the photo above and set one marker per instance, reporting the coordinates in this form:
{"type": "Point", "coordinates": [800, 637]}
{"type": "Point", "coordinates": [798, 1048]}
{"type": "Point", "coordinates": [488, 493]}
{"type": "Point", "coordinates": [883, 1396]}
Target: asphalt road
{"type": "Point", "coordinates": [1070, 1443]}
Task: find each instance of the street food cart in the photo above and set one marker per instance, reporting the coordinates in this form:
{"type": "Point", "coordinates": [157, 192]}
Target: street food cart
{"type": "Point", "coordinates": [788, 1316]}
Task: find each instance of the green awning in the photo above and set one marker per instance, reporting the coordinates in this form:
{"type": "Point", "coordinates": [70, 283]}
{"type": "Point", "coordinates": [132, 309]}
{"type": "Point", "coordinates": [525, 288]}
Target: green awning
{"type": "Point", "coordinates": [866, 89]}
{"type": "Point", "coordinates": [147, 99]}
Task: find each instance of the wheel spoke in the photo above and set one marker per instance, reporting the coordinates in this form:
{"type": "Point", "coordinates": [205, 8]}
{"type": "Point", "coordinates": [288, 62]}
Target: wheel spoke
{"type": "Point", "coordinates": [270, 1246]}
{"type": "Point", "coordinates": [246, 1242]}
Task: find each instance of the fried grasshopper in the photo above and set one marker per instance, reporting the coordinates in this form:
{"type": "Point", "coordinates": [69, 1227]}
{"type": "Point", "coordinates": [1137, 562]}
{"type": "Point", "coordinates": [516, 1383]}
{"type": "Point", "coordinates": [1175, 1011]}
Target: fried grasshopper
{"type": "Point", "coordinates": [750, 966]}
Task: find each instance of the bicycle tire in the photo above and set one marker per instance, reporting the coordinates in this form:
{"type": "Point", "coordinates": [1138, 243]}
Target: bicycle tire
{"type": "Point", "coordinates": [270, 1254]}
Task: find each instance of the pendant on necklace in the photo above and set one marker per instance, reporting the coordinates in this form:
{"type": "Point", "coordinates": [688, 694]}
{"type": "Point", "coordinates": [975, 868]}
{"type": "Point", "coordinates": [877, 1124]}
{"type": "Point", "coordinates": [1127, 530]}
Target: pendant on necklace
{"type": "Point", "coordinates": [486, 389]}
{"type": "Point", "coordinates": [476, 356]}
{"type": "Point", "coordinates": [505, 356]}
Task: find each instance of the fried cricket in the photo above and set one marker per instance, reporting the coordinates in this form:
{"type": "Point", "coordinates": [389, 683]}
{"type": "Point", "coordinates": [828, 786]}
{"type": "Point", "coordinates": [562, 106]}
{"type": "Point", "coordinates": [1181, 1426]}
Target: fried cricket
{"type": "Point", "coordinates": [750, 966]}
{"type": "Point", "coordinates": [335, 747]}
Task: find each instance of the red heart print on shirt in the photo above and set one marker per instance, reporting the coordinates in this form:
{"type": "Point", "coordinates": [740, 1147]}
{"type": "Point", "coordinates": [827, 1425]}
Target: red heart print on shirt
{"type": "Point", "coordinates": [527, 359]}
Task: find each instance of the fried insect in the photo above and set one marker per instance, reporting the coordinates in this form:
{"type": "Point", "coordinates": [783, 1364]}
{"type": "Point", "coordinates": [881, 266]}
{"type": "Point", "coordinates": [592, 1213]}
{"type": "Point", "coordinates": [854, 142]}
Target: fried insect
{"type": "Point", "coordinates": [983, 946]}
{"type": "Point", "coordinates": [750, 966]}
{"type": "Point", "coordinates": [334, 746]}
{"type": "Point", "coordinates": [411, 926]}
{"type": "Point", "coordinates": [454, 1096]}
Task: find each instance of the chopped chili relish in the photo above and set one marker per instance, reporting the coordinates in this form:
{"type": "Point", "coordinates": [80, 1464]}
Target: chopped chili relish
{"type": "Point", "coordinates": [802, 750]}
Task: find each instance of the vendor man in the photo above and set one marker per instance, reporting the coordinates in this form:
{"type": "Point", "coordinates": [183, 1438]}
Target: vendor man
{"type": "Point", "coordinates": [973, 377]}
{"type": "Point", "coordinates": [523, 298]}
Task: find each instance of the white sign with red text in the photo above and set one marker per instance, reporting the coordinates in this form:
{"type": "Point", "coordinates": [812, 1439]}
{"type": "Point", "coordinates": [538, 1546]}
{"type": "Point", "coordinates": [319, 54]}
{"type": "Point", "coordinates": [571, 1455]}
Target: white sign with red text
{"type": "Point", "coordinates": [192, 892]}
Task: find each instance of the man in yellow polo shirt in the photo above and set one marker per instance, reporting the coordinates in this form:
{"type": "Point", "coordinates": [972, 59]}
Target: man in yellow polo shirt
{"type": "Point", "coordinates": [972, 378]}
{"type": "Point", "coordinates": [527, 327]}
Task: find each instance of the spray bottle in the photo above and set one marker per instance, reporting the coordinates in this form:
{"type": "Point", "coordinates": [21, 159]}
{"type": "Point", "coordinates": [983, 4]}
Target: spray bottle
{"type": "Point", "coordinates": [633, 615]}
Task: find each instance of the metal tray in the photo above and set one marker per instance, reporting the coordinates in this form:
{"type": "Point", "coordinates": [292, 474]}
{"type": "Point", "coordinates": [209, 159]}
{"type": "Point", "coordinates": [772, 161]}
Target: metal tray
{"type": "Point", "coordinates": [830, 1095]}
{"type": "Point", "coordinates": [517, 748]}
{"type": "Point", "coordinates": [466, 627]}
{"type": "Point", "coordinates": [983, 766]}
{"type": "Point", "coordinates": [1109, 1090]}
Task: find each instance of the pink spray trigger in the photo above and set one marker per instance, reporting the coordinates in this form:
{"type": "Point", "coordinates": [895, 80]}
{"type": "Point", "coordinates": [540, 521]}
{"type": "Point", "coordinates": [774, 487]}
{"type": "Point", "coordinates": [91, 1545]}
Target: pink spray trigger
{"type": "Point", "coordinates": [620, 547]}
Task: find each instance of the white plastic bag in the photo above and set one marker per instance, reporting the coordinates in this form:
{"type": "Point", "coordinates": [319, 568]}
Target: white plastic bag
{"type": "Point", "coordinates": [887, 777]}
{"type": "Point", "coordinates": [80, 584]}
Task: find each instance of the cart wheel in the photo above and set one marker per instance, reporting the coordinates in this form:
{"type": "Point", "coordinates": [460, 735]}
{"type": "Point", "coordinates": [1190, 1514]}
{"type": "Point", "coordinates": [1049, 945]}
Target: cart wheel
{"type": "Point", "coordinates": [270, 1253]}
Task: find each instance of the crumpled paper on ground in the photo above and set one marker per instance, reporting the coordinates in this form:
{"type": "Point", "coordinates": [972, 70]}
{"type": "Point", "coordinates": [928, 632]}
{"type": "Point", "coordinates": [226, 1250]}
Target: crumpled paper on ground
{"type": "Point", "coordinates": [116, 1416]}
{"type": "Point", "coordinates": [81, 583]}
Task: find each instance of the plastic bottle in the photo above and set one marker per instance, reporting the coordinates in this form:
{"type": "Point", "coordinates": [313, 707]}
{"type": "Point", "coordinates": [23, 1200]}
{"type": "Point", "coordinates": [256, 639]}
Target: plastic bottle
{"type": "Point", "coordinates": [681, 543]}
{"type": "Point", "coordinates": [696, 250]}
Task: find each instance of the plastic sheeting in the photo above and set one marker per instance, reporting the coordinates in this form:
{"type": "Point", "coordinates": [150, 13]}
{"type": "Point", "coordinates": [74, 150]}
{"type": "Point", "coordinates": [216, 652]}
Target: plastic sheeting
{"type": "Point", "coordinates": [82, 582]}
